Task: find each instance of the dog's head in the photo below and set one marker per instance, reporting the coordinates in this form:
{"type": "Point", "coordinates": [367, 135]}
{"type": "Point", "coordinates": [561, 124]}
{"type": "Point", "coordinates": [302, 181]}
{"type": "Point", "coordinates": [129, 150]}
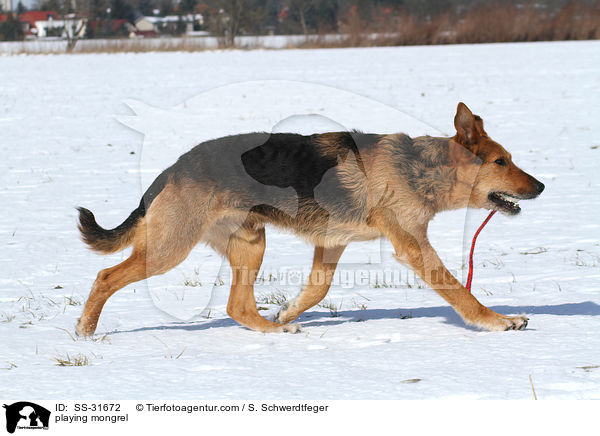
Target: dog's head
{"type": "Point", "coordinates": [498, 184]}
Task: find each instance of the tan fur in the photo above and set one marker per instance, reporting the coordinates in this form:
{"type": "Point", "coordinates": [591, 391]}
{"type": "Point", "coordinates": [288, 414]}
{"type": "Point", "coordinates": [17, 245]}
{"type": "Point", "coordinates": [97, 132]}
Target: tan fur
{"type": "Point", "coordinates": [324, 263]}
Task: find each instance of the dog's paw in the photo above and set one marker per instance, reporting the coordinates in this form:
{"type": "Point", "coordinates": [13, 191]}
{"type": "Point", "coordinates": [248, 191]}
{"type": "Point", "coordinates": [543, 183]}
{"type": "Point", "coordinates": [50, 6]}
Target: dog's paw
{"type": "Point", "coordinates": [84, 330]}
{"type": "Point", "coordinates": [518, 322]}
{"type": "Point", "coordinates": [503, 322]}
{"type": "Point", "coordinates": [290, 328]}
{"type": "Point", "coordinates": [283, 315]}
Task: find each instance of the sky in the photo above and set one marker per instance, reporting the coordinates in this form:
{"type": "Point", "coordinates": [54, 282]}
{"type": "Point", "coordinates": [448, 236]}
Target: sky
{"type": "Point", "coordinates": [28, 3]}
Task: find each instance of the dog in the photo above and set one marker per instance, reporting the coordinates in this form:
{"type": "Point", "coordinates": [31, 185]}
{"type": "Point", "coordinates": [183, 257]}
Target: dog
{"type": "Point", "coordinates": [330, 189]}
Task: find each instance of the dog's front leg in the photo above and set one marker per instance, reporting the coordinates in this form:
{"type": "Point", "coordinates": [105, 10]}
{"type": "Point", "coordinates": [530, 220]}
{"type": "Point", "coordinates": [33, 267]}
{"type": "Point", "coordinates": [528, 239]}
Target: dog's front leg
{"type": "Point", "coordinates": [319, 281]}
{"type": "Point", "coordinates": [413, 248]}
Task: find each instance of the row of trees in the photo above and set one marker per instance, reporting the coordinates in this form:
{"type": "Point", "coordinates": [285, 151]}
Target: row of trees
{"type": "Point", "coordinates": [10, 29]}
{"type": "Point", "coordinates": [417, 21]}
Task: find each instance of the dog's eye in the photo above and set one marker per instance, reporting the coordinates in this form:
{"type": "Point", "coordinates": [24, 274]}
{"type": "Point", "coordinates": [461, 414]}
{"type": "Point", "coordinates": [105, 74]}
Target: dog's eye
{"type": "Point", "coordinates": [500, 161]}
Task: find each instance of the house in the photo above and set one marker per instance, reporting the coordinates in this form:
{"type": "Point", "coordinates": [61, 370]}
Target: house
{"type": "Point", "coordinates": [29, 18]}
{"type": "Point", "coordinates": [71, 24]}
{"type": "Point", "coordinates": [146, 24]}
{"type": "Point", "coordinates": [171, 24]}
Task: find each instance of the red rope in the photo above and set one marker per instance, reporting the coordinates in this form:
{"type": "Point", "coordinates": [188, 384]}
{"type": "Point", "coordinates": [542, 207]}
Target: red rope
{"type": "Point", "coordinates": [470, 276]}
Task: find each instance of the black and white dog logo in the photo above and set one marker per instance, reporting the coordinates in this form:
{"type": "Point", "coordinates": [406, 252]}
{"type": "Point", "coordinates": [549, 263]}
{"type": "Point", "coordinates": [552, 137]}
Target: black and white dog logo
{"type": "Point", "coordinates": [26, 415]}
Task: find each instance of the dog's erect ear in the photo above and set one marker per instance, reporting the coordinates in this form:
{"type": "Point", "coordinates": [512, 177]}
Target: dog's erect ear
{"type": "Point", "coordinates": [479, 126]}
{"type": "Point", "coordinates": [465, 122]}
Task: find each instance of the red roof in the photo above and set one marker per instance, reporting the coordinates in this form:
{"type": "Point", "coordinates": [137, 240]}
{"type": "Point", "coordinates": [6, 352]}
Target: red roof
{"type": "Point", "coordinates": [32, 16]}
{"type": "Point", "coordinates": [114, 24]}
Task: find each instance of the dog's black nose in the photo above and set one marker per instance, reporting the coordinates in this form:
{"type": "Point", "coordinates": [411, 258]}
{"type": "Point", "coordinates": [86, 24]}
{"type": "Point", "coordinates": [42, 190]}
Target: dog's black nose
{"type": "Point", "coordinates": [539, 186]}
{"type": "Point", "coordinates": [536, 186]}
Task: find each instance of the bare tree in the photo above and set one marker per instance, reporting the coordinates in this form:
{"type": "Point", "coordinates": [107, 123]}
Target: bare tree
{"type": "Point", "coordinates": [301, 7]}
{"type": "Point", "coordinates": [315, 15]}
{"type": "Point", "coordinates": [237, 16]}
{"type": "Point", "coordinates": [73, 32]}
{"type": "Point", "coordinates": [71, 13]}
{"type": "Point", "coordinates": [228, 20]}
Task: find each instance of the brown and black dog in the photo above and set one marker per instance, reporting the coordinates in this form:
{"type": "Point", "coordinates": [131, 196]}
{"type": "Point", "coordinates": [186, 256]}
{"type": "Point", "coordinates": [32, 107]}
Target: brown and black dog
{"type": "Point", "coordinates": [330, 189]}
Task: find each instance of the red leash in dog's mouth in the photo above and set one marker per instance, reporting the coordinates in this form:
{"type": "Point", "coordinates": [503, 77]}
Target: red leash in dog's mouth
{"type": "Point", "coordinates": [470, 276]}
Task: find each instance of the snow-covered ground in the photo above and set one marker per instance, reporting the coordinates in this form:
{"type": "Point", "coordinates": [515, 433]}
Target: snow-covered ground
{"type": "Point", "coordinates": [63, 144]}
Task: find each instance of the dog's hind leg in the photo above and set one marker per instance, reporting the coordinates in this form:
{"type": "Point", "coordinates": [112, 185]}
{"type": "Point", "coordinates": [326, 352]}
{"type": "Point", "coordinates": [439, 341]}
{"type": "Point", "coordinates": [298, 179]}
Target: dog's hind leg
{"type": "Point", "coordinates": [163, 239]}
{"type": "Point", "coordinates": [319, 281]}
{"type": "Point", "coordinates": [108, 282]}
{"type": "Point", "coordinates": [245, 253]}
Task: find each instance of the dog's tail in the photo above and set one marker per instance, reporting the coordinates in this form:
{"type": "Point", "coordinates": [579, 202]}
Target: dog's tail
{"type": "Point", "coordinates": [111, 241]}
{"type": "Point", "coordinates": [107, 241]}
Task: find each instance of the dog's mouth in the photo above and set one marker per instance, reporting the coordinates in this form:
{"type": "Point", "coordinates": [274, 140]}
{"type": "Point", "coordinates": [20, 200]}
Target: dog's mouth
{"type": "Point", "coordinates": [504, 202]}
